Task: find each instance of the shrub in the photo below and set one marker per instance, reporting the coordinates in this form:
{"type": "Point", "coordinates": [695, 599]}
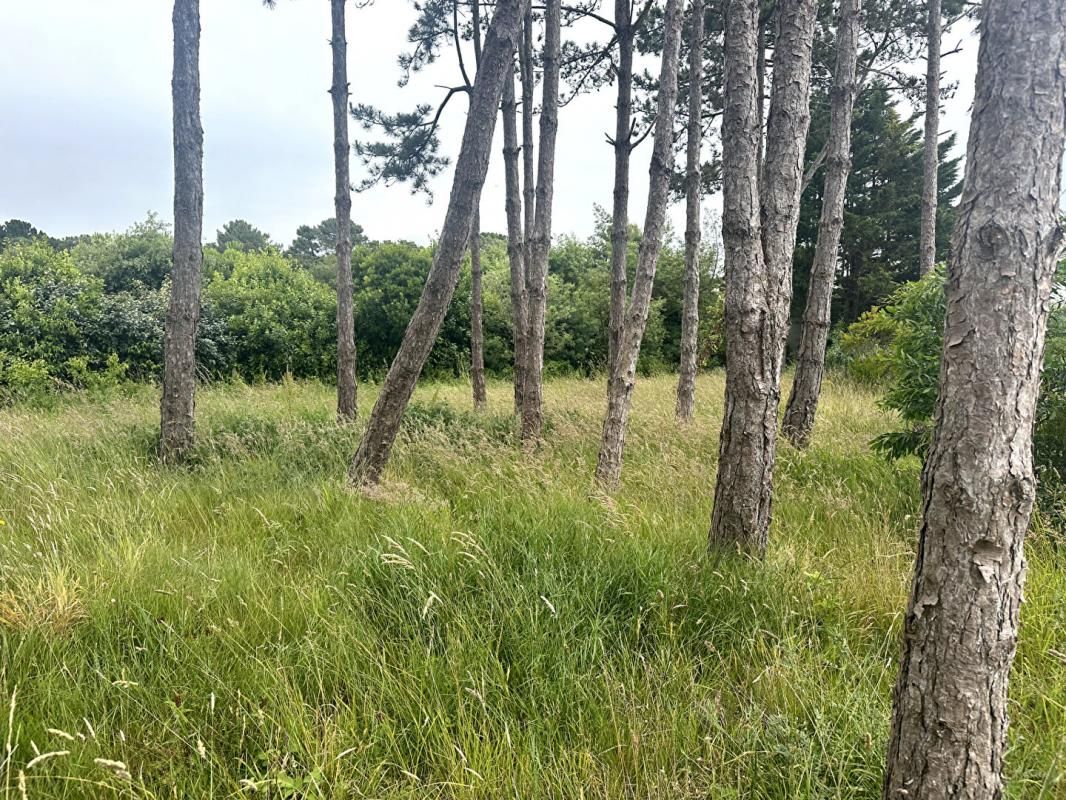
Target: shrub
{"type": "Point", "coordinates": [48, 309]}
{"type": "Point", "coordinates": [276, 319]}
{"type": "Point", "coordinates": [899, 347]}
{"type": "Point", "coordinates": [140, 258]}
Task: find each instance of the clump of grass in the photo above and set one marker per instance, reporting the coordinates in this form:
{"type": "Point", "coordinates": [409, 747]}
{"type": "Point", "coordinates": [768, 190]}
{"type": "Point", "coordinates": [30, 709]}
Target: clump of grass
{"type": "Point", "coordinates": [50, 604]}
{"type": "Point", "coordinates": [485, 625]}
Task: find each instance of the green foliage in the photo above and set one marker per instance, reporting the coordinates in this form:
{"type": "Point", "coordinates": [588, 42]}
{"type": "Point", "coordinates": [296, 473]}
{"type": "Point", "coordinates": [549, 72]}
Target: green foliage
{"type": "Point", "coordinates": [47, 306]}
{"type": "Point", "coordinates": [313, 243]}
{"type": "Point", "coordinates": [242, 235]}
{"type": "Point", "coordinates": [18, 230]}
{"type": "Point", "coordinates": [133, 261]}
{"type": "Point", "coordinates": [266, 314]}
{"type": "Point", "coordinates": [899, 347]}
{"type": "Point", "coordinates": [277, 319]}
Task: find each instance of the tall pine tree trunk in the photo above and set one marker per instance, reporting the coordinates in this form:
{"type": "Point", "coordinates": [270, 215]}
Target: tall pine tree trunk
{"type": "Point", "coordinates": [178, 405]}
{"type": "Point", "coordinates": [470, 169]}
{"type": "Point", "coordinates": [529, 180]}
{"type": "Point", "coordinates": [782, 178]}
{"type": "Point", "coordinates": [537, 270]}
{"type": "Point", "coordinates": [759, 229]}
{"type": "Point", "coordinates": [346, 386]}
{"type": "Point", "coordinates": [477, 332]}
{"type": "Point", "coordinates": [477, 329]}
{"type": "Point", "coordinates": [690, 314]}
{"type": "Point", "coordinates": [810, 360]}
{"type": "Point", "coordinates": [529, 188]}
{"type": "Point", "coordinates": [515, 245]}
{"type": "Point", "coordinates": [623, 147]}
{"type": "Point", "coordinates": [927, 246]}
{"type": "Point", "coordinates": [949, 723]}
{"type": "Point", "coordinates": [622, 378]}
{"type": "Point", "coordinates": [741, 511]}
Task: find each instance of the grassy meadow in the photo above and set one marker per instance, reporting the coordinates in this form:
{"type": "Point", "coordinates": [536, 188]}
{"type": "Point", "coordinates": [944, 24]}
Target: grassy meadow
{"type": "Point", "coordinates": [481, 626]}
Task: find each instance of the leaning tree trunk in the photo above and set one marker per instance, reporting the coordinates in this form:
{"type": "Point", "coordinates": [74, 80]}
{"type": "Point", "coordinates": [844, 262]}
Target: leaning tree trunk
{"type": "Point", "coordinates": [470, 169]}
{"type": "Point", "coordinates": [781, 187]}
{"type": "Point", "coordinates": [927, 246]}
{"type": "Point", "coordinates": [810, 360]}
{"type": "Point", "coordinates": [477, 330]}
{"type": "Point", "coordinates": [346, 387]}
{"type": "Point", "coordinates": [758, 245]}
{"type": "Point", "coordinates": [515, 246]}
{"type": "Point", "coordinates": [177, 408]}
{"type": "Point", "coordinates": [623, 147]}
{"type": "Point", "coordinates": [537, 270]}
{"type": "Point", "coordinates": [690, 314]}
{"type": "Point", "coordinates": [949, 722]}
{"type": "Point", "coordinates": [622, 377]}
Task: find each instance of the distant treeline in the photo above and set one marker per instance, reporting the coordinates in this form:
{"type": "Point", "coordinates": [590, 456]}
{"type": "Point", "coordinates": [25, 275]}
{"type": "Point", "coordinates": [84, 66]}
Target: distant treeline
{"type": "Point", "coordinates": [89, 309]}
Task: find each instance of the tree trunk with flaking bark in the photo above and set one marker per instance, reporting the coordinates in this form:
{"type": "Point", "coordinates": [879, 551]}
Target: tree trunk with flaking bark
{"type": "Point", "coordinates": [741, 513]}
{"type": "Point", "coordinates": [782, 180]}
{"type": "Point", "coordinates": [690, 314]}
{"type": "Point", "coordinates": [178, 404]}
{"type": "Point", "coordinates": [622, 378]}
{"type": "Point", "coordinates": [810, 359]}
{"type": "Point", "coordinates": [346, 385]}
{"type": "Point", "coordinates": [477, 330]}
{"type": "Point", "coordinates": [927, 246]}
{"type": "Point", "coordinates": [623, 148]}
{"type": "Point", "coordinates": [515, 246]}
{"type": "Point", "coordinates": [537, 271]}
{"type": "Point", "coordinates": [470, 170]}
{"type": "Point", "coordinates": [949, 724]}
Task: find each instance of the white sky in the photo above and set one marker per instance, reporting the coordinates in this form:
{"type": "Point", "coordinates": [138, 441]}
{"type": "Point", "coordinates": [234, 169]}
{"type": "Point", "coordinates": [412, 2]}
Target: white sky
{"type": "Point", "coordinates": [85, 118]}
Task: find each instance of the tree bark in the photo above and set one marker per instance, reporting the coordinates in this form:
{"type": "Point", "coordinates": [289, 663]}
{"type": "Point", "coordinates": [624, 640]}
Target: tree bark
{"type": "Point", "coordinates": [741, 513]}
{"type": "Point", "coordinates": [622, 378]}
{"type": "Point", "coordinates": [810, 360]}
{"type": "Point", "coordinates": [477, 333]}
{"type": "Point", "coordinates": [346, 385]}
{"type": "Point", "coordinates": [529, 188]}
{"type": "Point", "coordinates": [949, 720]}
{"type": "Point", "coordinates": [529, 185]}
{"type": "Point", "coordinates": [927, 246]}
{"type": "Point", "coordinates": [760, 92]}
{"type": "Point", "coordinates": [515, 244]}
{"type": "Point", "coordinates": [537, 269]}
{"type": "Point", "coordinates": [470, 168]}
{"type": "Point", "coordinates": [623, 148]}
{"type": "Point", "coordinates": [178, 404]}
{"type": "Point", "coordinates": [690, 314]}
{"type": "Point", "coordinates": [780, 190]}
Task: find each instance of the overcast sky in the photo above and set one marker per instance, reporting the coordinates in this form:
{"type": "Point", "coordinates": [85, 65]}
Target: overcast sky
{"type": "Point", "coordinates": [85, 122]}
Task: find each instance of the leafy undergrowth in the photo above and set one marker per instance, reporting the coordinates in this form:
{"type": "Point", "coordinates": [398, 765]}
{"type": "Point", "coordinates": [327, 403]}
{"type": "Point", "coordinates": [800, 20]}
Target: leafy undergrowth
{"type": "Point", "coordinates": [482, 626]}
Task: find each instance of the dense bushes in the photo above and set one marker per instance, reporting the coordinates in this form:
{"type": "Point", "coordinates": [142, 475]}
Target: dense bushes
{"type": "Point", "coordinates": [93, 314]}
{"type": "Point", "coordinates": [899, 345]}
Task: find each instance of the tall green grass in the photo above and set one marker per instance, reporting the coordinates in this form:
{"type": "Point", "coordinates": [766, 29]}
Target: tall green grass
{"type": "Point", "coordinates": [484, 625]}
